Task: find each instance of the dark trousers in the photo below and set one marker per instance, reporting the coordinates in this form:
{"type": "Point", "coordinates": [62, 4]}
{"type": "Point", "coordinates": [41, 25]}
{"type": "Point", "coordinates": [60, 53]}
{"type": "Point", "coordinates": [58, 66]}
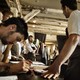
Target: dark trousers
{"type": "Point", "coordinates": [73, 68]}
{"type": "Point", "coordinates": [29, 56]}
{"type": "Point", "coordinates": [73, 71]}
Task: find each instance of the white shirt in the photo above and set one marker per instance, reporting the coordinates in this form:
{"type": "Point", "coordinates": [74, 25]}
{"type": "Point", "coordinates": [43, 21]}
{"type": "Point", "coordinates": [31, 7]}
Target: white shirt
{"type": "Point", "coordinates": [3, 48]}
{"type": "Point", "coordinates": [1, 17]}
{"type": "Point", "coordinates": [19, 47]}
{"type": "Point", "coordinates": [28, 47]}
{"type": "Point", "coordinates": [74, 23]}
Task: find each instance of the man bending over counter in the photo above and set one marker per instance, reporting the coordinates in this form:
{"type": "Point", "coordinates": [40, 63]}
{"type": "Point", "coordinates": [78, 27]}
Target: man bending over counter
{"type": "Point", "coordinates": [13, 30]}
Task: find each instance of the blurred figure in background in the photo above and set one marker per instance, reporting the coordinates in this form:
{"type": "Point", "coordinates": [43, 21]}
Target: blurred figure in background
{"type": "Point", "coordinates": [30, 49]}
{"type": "Point", "coordinates": [43, 53]}
{"type": "Point", "coordinates": [44, 58]}
{"type": "Point", "coordinates": [7, 14]}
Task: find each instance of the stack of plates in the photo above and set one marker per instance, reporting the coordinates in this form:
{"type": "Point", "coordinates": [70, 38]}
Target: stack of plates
{"type": "Point", "coordinates": [14, 77]}
{"type": "Point", "coordinates": [14, 61]}
{"type": "Point", "coordinates": [39, 67]}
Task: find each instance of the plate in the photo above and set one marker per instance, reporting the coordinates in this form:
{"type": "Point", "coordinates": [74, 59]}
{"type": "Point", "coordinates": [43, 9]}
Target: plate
{"type": "Point", "coordinates": [37, 63]}
{"type": "Point", "coordinates": [39, 68]}
{"type": "Point", "coordinates": [13, 77]}
{"type": "Point", "coordinates": [14, 61]}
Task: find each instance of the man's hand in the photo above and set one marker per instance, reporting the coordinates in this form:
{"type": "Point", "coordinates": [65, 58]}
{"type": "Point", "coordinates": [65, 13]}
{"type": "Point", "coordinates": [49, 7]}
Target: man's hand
{"type": "Point", "coordinates": [22, 66]}
{"type": "Point", "coordinates": [53, 71]}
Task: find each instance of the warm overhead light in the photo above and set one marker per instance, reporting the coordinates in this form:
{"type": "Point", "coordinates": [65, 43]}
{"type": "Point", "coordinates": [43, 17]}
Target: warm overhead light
{"type": "Point", "coordinates": [33, 26]}
{"type": "Point", "coordinates": [36, 0]}
{"type": "Point", "coordinates": [34, 21]}
{"type": "Point", "coordinates": [54, 10]}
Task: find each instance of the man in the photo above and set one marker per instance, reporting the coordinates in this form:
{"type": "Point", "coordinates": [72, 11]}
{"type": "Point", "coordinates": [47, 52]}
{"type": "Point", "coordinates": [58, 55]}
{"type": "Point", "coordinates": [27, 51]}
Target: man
{"type": "Point", "coordinates": [70, 11]}
{"type": "Point", "coordinates": [30, 48]}
{"type": "Point", "coordinates": [13, 30]}
{"type": "Point", "coordinates": [6, 14]}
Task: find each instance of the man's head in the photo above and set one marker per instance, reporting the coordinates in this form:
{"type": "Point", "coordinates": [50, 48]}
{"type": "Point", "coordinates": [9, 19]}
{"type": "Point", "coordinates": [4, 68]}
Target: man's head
{"type": "Point", "coordinates": [30, 38]}
{"type": "Point", "coordinates": [14, 30]}
{"type": "Point", "coordinates": [68, 6]}
{"type": "Point", "coordinates": [7, 14]}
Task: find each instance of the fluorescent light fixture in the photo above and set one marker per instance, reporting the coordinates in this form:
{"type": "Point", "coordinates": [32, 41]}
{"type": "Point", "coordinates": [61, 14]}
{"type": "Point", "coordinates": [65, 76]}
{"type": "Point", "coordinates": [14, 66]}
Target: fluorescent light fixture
{"type": "Point", "coordinates": [54, 10]}
{"type": "Point", "coordinates": [33, 26]}
{"type": "Point", "coordinates": [34, 21]}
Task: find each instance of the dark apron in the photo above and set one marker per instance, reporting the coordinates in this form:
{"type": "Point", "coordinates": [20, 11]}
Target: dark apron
{"type": "Point", "coordinates": [73, 68]}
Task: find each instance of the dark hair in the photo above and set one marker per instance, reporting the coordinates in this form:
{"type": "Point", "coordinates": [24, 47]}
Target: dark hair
{"type": "Point", "coordinates": [72, 4]}
{"type": "Point", "coordinates": [29, 36]}
{"type": "Point", "coordinates": [21, 25]}
{"type": "Point", "coordinates": [7, 12]}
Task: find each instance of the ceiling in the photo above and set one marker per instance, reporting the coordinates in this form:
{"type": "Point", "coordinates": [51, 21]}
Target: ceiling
{"type": "Point", "coordinates": [42, 16]}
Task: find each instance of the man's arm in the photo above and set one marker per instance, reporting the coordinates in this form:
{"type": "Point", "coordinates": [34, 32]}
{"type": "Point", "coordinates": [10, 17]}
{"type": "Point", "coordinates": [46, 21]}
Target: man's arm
{"type": "Point", "coordinates": [68, 48]}
{"type": "Point", "coordinates": [6, 53]}
{"type": "Point", "coordinates": [66, 52]}
{"type": "Point", "coordinates": [9, 68]}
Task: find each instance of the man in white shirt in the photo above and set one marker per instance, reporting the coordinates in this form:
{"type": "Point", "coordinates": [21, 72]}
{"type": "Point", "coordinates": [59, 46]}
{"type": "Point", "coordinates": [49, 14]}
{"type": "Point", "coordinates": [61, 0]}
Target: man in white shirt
{"type": "Point", "coordinates": [30, 51]}
{"type": "Point", "coordinates": [71, 49]}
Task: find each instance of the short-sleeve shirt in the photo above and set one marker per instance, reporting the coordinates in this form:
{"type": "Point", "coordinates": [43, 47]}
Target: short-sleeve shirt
{"type": "Point", "coordinates": [16, 49]}
{"type": "Point", "coordinates": [74, 23]}
{"type": "Point", "coordinates": [2, 49]}
{"type": "Point", "coordinates": [74, 28]}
